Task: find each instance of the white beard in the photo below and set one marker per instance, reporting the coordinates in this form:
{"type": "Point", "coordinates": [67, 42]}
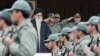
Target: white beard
{"type": "Point", "coordinates": [39, 19]}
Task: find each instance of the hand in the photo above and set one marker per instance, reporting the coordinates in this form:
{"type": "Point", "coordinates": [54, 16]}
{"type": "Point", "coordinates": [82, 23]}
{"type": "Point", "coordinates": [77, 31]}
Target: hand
{"type": "Point", "coordinates": [47, 20]}
{"type": "Point", "coordinates": [9, 41]}
{"type": "Point", "coordinates": [72, 54]}
{"type": "Point", "coordinates": [87, 50]}
{"type": "Point", "coordinates": [70, 18]}
{"type": "Point", "coordinates": [96, 49]}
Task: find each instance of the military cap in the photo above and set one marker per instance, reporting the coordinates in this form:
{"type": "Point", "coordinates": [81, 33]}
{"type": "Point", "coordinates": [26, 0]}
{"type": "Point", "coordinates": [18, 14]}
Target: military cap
{"type": "Point", "coordinates": [57, 15]}
{"type": "Point", "coordinates": [0, 12]}
{"type": "Point", "coordinates": [52, 37]}
{"type": "Point", "coordinates": [51, 15]}
{"type": "Point", "coordinates": [21, 5]}
{"type": "Point", "coordinates": [5, 15]}
{"type": "Point", "coordinates": [77, 15]}
{"type": "Point", "coordinates": [82, 26]}
{"type": "Point", "coordinates": [99, 20]}
{"type": "Point", "coordinates": [74, 28]}
{"type": "Point", "coordinates": [58, 34]}
{"type": "Point", "coordinates": [93, 20]}
{"type": "Point", "coordinates": [66, 30]}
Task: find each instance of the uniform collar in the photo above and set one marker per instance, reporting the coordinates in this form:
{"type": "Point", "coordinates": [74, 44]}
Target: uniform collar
{"type": "Point", "coordinates": [82, 38]}
{"type": "Point", "coordinates": [24, 22]}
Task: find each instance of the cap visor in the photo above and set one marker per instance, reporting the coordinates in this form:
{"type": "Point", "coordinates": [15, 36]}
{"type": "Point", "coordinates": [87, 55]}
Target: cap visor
{"type": "Point", "coordinates": [86, 23]}
{"type": "Point", "coordinates": [46, 40]}
{"type": "Point", "coordinates": [10, 10]}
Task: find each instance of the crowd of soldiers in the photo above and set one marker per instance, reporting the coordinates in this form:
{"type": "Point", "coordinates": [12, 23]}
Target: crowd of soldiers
{"type": "Point", "coordinates": [80, 40]}
{"type": "Point", "coordinates": [21, 36]}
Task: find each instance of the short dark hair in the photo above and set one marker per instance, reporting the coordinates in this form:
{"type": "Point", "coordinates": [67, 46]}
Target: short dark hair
{"type": "Point", "coordinates": [95, 27]}
{"type": "Point", "coordinates": [8, 22]}
{"type": "Point", "coordinates": [66, 35]}
{"type": "Point", "coordinates": [84, 32]}
{"type": "Point", "coordinates": [25, 14]}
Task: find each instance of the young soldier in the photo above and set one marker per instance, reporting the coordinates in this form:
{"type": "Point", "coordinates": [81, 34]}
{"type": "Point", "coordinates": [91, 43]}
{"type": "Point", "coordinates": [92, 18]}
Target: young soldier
{"type": "Point", "coordinates": [5, 23]}
{"type": "Point", "coordinates": [83, 40]}
{"type": "Point", "coordinates": [51, 44]}
{"type": "Point", "coordinates": [23, 40]}
{"type": "Point", "coordinates": [93, 32]}
{"type": "Point", "coordinates": [65, 40]}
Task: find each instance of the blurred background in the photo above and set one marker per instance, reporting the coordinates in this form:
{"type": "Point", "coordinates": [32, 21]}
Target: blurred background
{"type": "Point", "coordinates": [66, 8]}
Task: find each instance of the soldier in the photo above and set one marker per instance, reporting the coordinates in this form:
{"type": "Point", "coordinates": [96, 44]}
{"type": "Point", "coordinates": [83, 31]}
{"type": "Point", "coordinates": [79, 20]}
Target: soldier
{"type": "Point", "coordinates": [52, 45]}
{"type": "Point", "coordinates": [74, 38]}
{"type": "Point", "coordinates": [23, 40]}
{"type": "Point", "coordinates": [53, 25]}
{"type": "Point", "coordinates": [58, 18]}
{"type": "Point", "coordinates": [97, 45]}
{"type": "Point", "coordinates": [68, 22]}
{"type": "Point", "coordinates": [65, 41]}
{"type": "Point", "coordinates": [50, 15]}
{"type": "Point", "coordinates": [93, 32]}
{"type": "Point", "coordinates": [83, 41]}
{"type": "Point", "coordinates": [5, 23]}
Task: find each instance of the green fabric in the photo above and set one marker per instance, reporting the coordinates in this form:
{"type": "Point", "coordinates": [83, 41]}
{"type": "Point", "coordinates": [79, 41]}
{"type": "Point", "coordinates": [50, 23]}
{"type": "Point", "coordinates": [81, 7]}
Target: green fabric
{"type": "Point", "coordinates": [55, 52]}
{"type": "Point", "coordinates": [21, 5]}
{"type": "Point", "coordinates": [0, 12]}
{"type": "Point", "coordinates": [56, 28]}
{"type": "Point", "coordinates": [25, 40]}
{"type": "Point", "coordinates": [52, 37]}
{"type": "Point", "coordinates": [2, 49]}
{"type": "Point", "coordinates": [79, 46]}
{"type": "Point", "coordinates": [66, 48]}
{"type": "Point", "coordinates": [66, 30]}
{"type": "Point", "coordinates": [5, 15]}
{"type": "Point", "coordinates": [82, 26]}
{"type": "Point", "coordinates": [93, 20]}
{"type": "Point", "coordinates": [66, 23]}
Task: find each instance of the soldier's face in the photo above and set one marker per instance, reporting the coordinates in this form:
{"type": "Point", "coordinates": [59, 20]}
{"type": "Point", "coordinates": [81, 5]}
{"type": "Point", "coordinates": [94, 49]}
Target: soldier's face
{"type": "Point", "coordinates": [99, 27]}
{"type": "Point", "coordinates": [1, 23]}
{"type": "Point", "coordinates": [49, 45]}
{"type": "Point", "coordinates": [74, 35]}
{"type": "Point", "coordinates": [77, 20]}
{"type": "Point", "coordinates": [62, 38]}
{"type": "Point", "coordinates": [57, 18]}
{"type": "Point", "coordinates": [15, 16]}
{"type": "Point", "coordinates": [53, 20]}
{"type": "Point", "coordinates": [89, 28]}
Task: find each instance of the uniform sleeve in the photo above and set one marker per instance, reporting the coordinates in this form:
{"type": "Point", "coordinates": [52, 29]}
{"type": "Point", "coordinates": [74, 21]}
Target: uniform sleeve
{"type": "Point", "coordinates": [84, 44]}
{"type": "Point", "coordinates": [27, 45]}
{"type": "Point", "coordinates": [2, 49]}
{"type": "Point", "coordinates": [63, 22]}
